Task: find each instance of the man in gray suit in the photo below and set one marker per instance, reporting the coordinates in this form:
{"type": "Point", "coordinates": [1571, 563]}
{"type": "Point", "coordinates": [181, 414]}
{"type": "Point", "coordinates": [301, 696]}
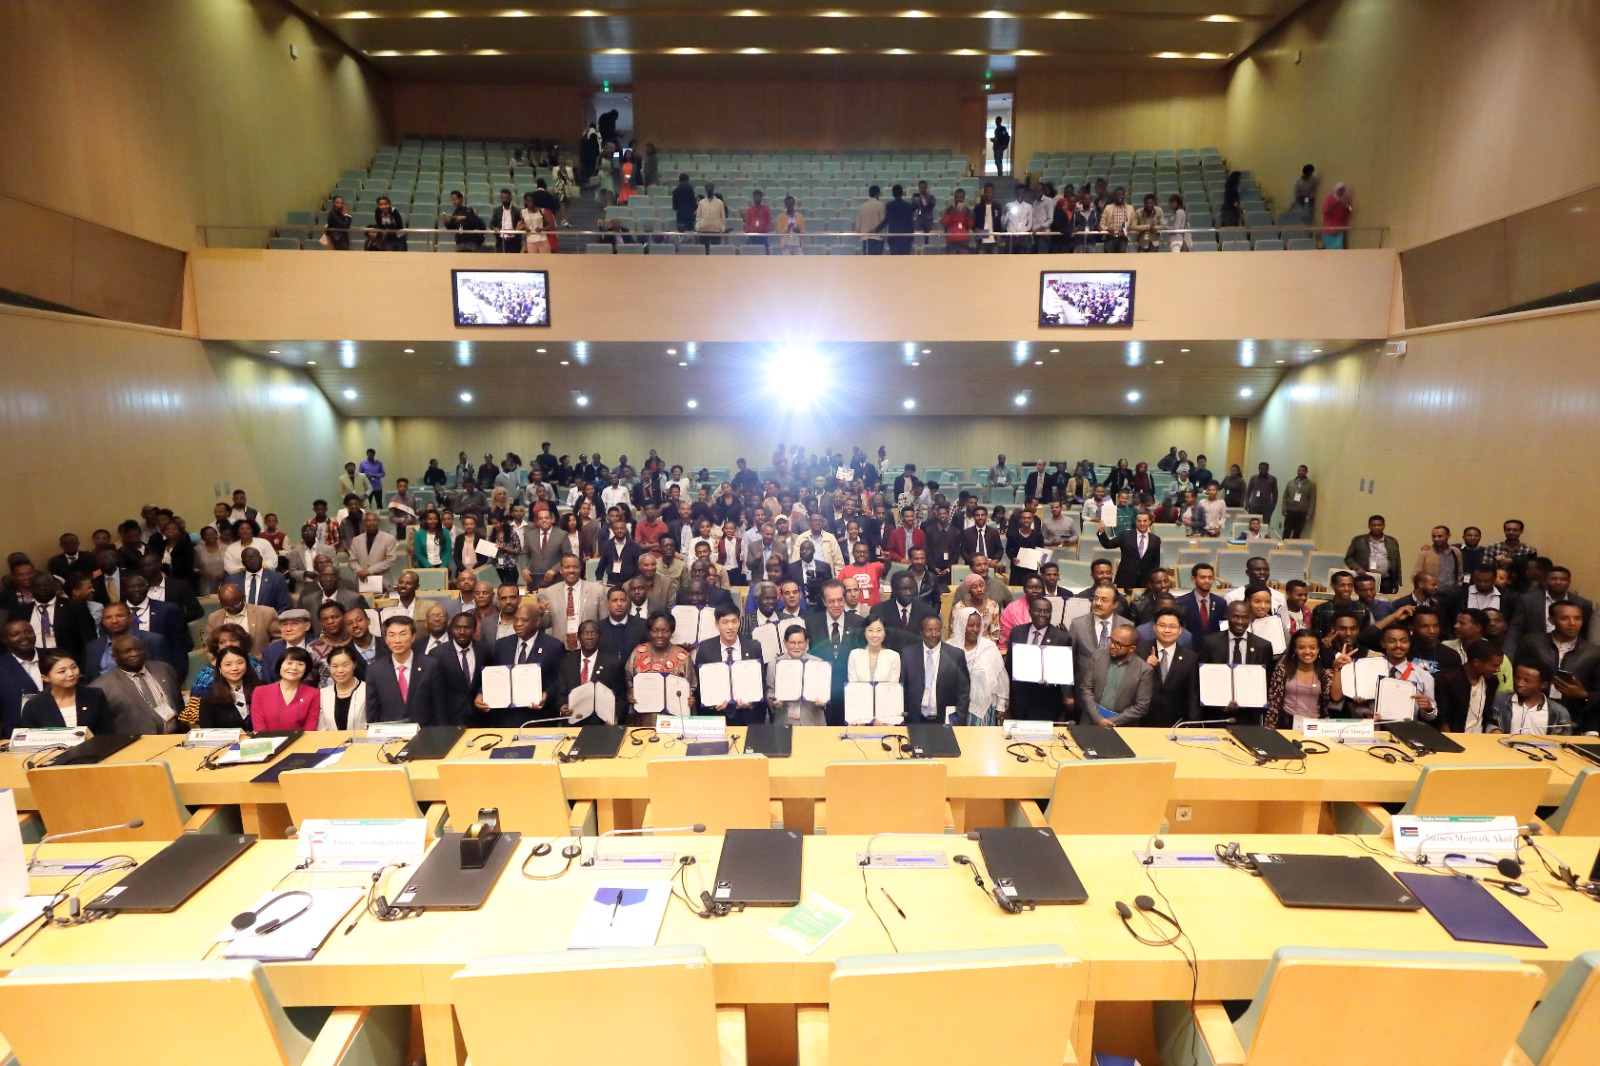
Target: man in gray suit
{"type": "Point", "coordinates": [143, 693]}
{"type": "Point", "coordinates": [326, 589]}
{"type": "Point", "coordinates": [1092, 632]}
{"type": "Point", "coordinates": [585, 598]}
{"type": "Point", "coordinates": [493, 626]}
{"type": "Point", "coordinates": [1117, 680]}
{"type": "Point", "coordinates": [542, 549]}
{"type": "Point", "coordinates": [662, 587]}
{"type": "Point", "coordinates": [373, 552]}
{"type": "Point", "coordinates": [303, 557]}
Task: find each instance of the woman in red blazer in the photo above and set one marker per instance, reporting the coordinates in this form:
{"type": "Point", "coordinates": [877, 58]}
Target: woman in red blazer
{"type": "Point", "coordinates": [289, 704]}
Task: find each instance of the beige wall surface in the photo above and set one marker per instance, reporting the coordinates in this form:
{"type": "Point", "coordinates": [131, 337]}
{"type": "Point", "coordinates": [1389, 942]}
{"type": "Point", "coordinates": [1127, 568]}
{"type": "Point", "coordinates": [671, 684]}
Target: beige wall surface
{"type": "Point", "coordinates": [158, 116]}
{"type": "Point", "coordinates": [1099, 110]}
{"type": "Point", "coordinates": [140, 415]}
{"type": "Point", "coordinates": [264, 295]}
{"type": "Point", "coordinates": [1472, 426]}
{"type": "Point", "coordinates": [1439, 114]}
{"type": "Point", "coordinates": [406, 444]}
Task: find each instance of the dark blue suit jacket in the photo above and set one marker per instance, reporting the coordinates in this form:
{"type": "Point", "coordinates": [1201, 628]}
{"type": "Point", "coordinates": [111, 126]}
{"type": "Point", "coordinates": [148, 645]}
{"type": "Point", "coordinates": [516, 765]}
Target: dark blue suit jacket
{"type": "Point", "coordinates": [155, 647]}
{"type": "Point", "coordinates": [15, 687]}
{"type": "Point", "coordinates": [546, 652]}
{"type": "Point", "coordinates": [166, 620]}
{"type": "Point", "coordinates": [1189, 604]}
{"type": "Point", "coordinates": [708, 651]}
{"type": "Point", "coordinates": [274, 590]}
{"type": "Point", "coordinates": [422, 704]}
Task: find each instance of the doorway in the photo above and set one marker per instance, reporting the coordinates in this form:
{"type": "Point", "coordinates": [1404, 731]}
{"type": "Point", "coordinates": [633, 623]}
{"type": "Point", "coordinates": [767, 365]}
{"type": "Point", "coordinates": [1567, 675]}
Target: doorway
{"type": "Point", "coordinates": [999, 107]}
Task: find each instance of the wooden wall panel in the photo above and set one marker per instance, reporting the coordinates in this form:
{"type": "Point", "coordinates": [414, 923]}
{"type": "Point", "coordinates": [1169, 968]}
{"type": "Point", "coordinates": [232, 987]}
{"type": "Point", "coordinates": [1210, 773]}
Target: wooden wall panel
{"type": "Point", "coordinates": [1107, 109]}
{"type": "Point", "coordinates": [522, 110]}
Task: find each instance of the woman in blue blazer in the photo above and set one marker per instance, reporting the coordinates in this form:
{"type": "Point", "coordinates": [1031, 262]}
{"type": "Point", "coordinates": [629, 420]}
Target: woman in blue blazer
{"type": "Point", "coordinates": [63, 696]}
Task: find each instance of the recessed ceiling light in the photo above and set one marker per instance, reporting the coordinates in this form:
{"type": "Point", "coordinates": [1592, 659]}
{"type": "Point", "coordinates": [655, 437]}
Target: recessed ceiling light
{"type": "Point", "coordinates": [409, 351]}
{"type": "Point", "coordinates": [311, 362]}
{"type": "Point", "coordinates": [582, 400]}
{"type": "Point", "coordinates": [692, 404]}
{"type": "Point", "coordinates": [349, 394]}
{"type": "Point", "coordinates": [1038, 362]}
{"type": "Point", "coordinates": [1161, 362]}
{"type": "Point", "coordinates": [1133, 397]}
{"type": "Point", "coordinates": [916, 362]}
{"type": "Point", "coordinates": [681, 363]}
{"type": "Point", "coordinates": [541, 351]}
{"type": "Point", "coordinates": [1055, 351]}
{"type": "Point", "coordinates": [672, 351]}
{"type": "Point", "coordinates": [927, 351]}
{"type": "Point", "coordinates": [1316, 351]}
{"type": "Point", "coordinates": [1021, 399]}
{"type": "Point", "coordinates": [566, 362]}
{"type": "Point", "coordinates": [466, 397]}
{"type": "Point", "coordinates": [1281, 360]}
{"type": "Point", "coordinates": [1183, 349]}
{"type": "Point", "coordinates": [1246, 393]}
{"type": "Point", "coordinates": [909, 404]}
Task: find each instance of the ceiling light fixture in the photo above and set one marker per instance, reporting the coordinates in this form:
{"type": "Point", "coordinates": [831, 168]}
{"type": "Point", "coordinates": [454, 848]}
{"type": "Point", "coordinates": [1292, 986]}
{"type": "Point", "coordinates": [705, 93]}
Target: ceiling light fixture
{"type": "Point", "coordinates": [1245, 394]}
{"type": "Point", "coordinates": [681, 363]}
{"type": "Point", "coordinates": [272, 351]}
{"type": "Point", "coordinates": [909, 404]}
{"type": "Point", "coordinates": [466, 397]}
{"type": "Point", "coordinates": [1133, 397]}
{"type": "Point", "coordinates": [672, 351]}
{"type": "Point", "coordinates": [349, 394]}
{"type": "Point", "coordinates": [581, 400]}
{"type": "Point", "coordinates": [409, 351]}
{"type": "Point", "coordinates": [311, 362]}
{"type": "Point", "coordinates": [692, 404]}
{"type": "Point", "coordinates": [1021, 399]}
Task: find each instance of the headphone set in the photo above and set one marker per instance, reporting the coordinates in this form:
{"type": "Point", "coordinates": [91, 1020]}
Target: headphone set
{"type": "Point", "coordinates": [397, 757]}
{"type": "Point", "coordinates": [709, 908]}
{"type": "Point", "coordinates": [1031, 752]}
{"type": "Point", "coordinates": [562, 756]}
{"type": "Point", "coordinates": [1562, 872]}
{"type": "Point", "coordinates": [1507, 868]}
{"type": "Point", "coordinates": [1147, 907]}
{"type": "Point", "coordinates": [1530, 749]}
{"type": "Point", "coordinates": [245, 921]}
{"type": "Point", "coordinates": [569, 852]}
{"type": "Point", "coordinates": [633, 735]}
{"type": "Point", "coordinates": [1231, 855]}
{"type": "Point", "coordinates": [1320, 749]}
{"type": "Point", "coordinates": [43, 755]}
{"type": "Point", "coordinates": [478, 742]}
{"type": "Point", "coordinates": [1390, 754]}
{"type": "Point", "coordinates": [377, 903]}
{"type": "Point", "coordinates": [71, 893]}
{"type": "Point", "coordinates": [1010, 906]}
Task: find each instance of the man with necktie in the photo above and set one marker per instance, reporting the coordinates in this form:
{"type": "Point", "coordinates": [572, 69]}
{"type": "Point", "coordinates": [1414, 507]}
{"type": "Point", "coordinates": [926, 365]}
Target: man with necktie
{"type": "Point", "coordinates": [1033, 700]}
{"type": "Point", "coordinates": [461, 661]}
{"type": "Point", "coordinates": [526, 645]}
{"type": "Point", "coordinates": [934, 676]}
{"type": "Point", "coordinates": [1141, 552]}
{"type": "Point", "coordinates": [833, 634]}
{"type": "Point", "coordinates": [729, 648]}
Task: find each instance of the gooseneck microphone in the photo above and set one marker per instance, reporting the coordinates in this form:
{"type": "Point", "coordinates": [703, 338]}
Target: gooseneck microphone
{"type": "Point", "coordinates": [1198, 722]}
{"type": "Point", "coordinates": [698, 827]}
{"type": "Point", "coordinates": [33, 857]}
{"type": "Point", "coordinates": [1153, 845]}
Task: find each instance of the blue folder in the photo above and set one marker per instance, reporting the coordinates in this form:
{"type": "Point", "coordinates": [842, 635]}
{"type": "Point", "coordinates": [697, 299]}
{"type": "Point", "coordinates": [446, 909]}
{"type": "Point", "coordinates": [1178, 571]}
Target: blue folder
{"type": "Point", "coordinates": [1468, 911]}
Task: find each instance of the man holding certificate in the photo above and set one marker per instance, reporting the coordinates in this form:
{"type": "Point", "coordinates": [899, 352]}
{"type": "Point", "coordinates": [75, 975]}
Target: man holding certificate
{"type": "Point", "coordinates": [528, 660]}
{"type": "Point", "coordinates": [732, 680]}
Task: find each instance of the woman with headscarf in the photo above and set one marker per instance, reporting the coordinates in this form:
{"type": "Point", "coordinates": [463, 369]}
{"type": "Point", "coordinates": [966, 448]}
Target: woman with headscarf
{"type": "Point", "coordinates": [1336, 210]}
{"type": "Point", "coordinates": [1143, 484]}
{"type": "Point", "coordinates": [990, 688]}
{"type": "Point", "coordinates": [1016, 613]}
{"type": "Point", "coordinates": [973, 595]}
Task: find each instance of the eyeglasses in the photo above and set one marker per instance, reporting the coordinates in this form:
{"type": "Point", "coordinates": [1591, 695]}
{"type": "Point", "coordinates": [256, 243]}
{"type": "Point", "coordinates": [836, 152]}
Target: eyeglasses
{"type": "Point", "coordinates": [1120, 644]}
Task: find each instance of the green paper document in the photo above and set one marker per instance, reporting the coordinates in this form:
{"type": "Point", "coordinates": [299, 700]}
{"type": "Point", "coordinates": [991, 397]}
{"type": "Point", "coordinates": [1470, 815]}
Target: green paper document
{"type": "Point", "coordinates": [806, 926]}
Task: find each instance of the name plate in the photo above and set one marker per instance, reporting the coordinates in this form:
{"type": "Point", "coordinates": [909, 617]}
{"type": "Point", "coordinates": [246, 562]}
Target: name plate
{"type": "Point", "coordinates": [383, 732]}
{"type": "Point", "coordinates": [1030, 730]}
{"type": "Point", "coordinates": [40, 739]}
{"type": "Point", "coordinates": [358, 843]}
{"type": "Point", "coordinates": [692, 727]}
{"type": "Point", "coordinates": [212, 738]}
{"type": "Point", "coordinates": [1423, 836]}
{"type": "Point", "coordinates": [1335, 729]}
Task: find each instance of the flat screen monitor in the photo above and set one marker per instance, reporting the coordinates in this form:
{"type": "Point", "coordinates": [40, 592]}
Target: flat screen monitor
{"type": "Point", "coordinates": [1085, 299]}
{"type": "Point", "coordinates": [502, 297]}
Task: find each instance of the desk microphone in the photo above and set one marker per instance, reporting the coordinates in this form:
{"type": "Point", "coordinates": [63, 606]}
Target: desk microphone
{"type": "Point", "coordinates": [34, 857]}
{"type": "Point", "coordinates": [1154, 844]}
{"type": "Point", "coordinates": [698, 827]}
{"type": "Point", "coordinates": [867, 854]}
{"type": "Point", "coordinates": [561, 718]}
{"type": "Point", "coordinates": [1198, 721]}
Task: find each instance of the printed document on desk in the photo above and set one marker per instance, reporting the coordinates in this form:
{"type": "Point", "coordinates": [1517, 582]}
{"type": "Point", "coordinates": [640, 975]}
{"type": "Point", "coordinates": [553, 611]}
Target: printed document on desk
{"type": "Point", "coordinates": [297, 940]}
{"type": "Point", "coordinates": [622, 914]}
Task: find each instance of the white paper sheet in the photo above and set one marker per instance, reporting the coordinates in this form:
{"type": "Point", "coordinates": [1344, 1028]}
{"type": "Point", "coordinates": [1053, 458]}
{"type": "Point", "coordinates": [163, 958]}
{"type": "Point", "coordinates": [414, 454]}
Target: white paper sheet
{"type": "Point", "coordinates": [1030, 558]}
{"type": "Point", "coordinates": [716, 685]}
{"type": "Point", "coordinates": [1250, 686]}
{"type": "Point", "coordinates": [497, 687]}
{"type": "Point", "coordinates": [296, 940]}
{"type": "Point", "coordinates": [889, 702]}
{"type": "Point", "coordinates": [1270, 629]}
{"type": "Point", "coordinates": [660, 694]}
{"type": "Point", "coordinates": [1395, 700]}
{"type": "Point", "coordinates": [371, 586]}
{"type": "Point", "coordinates": [747, 681]}
{"type": "Point", "coordinates": [1074, 610]}
{"type": "Point", "coordinates": [691, 625]}
{"type": "Point", "coordinates": [593, 699]}
{"type": "Point", "coordinates": [819, 682]}
{"type": "Point", "coordinates": [788, 680]}
{"type": "Point", "coordinates": [527, 685]}
{"type": "Point", "coordinates": [1027, 664]}
{"type": "Point", "coordinates": [858, 703]}
{"type": "Point", "coordinates": [767, 636]}
{"type": "Point", "coordinates": [622, 915]}
{"type": "Point", "coordinates": [1057, 665]}
{"type": "Point", "coordinates": [1216, 685]}
{"type": "Point", "coordinates": [1359, 679]}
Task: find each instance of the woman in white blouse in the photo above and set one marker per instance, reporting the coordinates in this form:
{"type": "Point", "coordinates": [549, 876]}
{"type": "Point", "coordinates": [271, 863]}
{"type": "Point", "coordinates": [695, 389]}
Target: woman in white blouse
{"type": "Point", "coordinates": [874, 662]}
{"type": "Point", "coordinates": [344, 699]}
{"type": "Point", "coordinates": [991, 687]}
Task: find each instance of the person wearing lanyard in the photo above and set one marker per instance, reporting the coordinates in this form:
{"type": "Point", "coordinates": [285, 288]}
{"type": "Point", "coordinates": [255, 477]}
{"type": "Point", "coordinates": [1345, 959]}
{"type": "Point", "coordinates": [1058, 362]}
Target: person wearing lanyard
{"type": "Point", "coordinates": [1525, 710]}
{"type": "Point", "coordinates": [1396, 644]}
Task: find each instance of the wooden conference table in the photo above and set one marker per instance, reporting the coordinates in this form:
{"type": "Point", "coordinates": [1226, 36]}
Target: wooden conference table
{"type": "Point", "coordinates": [1233, 920]}
{"type": "Point", "coordinates": [1221, 790]}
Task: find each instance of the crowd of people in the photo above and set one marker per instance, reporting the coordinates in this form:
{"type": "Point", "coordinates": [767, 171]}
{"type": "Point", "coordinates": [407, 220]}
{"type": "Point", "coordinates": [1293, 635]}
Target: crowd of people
{"type": "Point", "coordinates": [824, 558]}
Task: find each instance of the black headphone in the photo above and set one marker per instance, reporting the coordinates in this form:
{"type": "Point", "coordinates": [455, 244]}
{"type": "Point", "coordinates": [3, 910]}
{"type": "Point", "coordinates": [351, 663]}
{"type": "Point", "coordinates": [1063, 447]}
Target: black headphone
{"type": "Point", "coordinates": [245, 921]}
{"type": "Point", "coordinates": [1147, 906]}
{"type": "Point", "coordinates": [1320, 749]}
{"type": "Point", "coordinates": [1531, 750]}
{"type": "Point", "coordinates": [1034, 752]}
{"type": "Point", "coordinates": [1506, 867]}
{"type": "Point", "coordinates": [633, 735]}
{"type": "Point", "coordinates": [905, 743]}
{"type": "Point", "coordinates": [1229, 854]}
{"type": "Point", "coordinates": [540, 850]}
{"type": "Point", "coordinates": [1388, 753]}
{"type": "Point", "coordinates": [1010, 906]}
{"type": "Point", "coordinates": [492, 738]}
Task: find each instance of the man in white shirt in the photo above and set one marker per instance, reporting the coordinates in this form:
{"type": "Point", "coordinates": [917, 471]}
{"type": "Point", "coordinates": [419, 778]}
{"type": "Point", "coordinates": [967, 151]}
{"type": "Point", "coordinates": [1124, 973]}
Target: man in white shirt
{"type": "Point", "coordinates": [1259, 572]}
{"type": "Point", "coordinates": [614, 494]}
{"type": "Point", "coordinates": [1482, 593]}
{"type": "Point", "coordinates": [824, 544]}
{"type": "Point", "coordinates": [436, 628]}
{"type": "Point", "coordinates": [1019, 222]}
{"type": "Point", "coordinates": [1060, 529]}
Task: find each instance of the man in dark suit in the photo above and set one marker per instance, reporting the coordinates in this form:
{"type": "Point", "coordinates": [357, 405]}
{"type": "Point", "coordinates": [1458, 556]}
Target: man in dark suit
{"type": "Point", "coordinates": [716, 595]}
{"type": "Point", "coordinates": [1236, 645]}
{"type": "Point", "coordinates": [1141, 552]}
{"type": "Point", "coordinates": [19, 663]}
{"type": "Point", "coordinates": [1576, 673]}
{"type": "Point", "coordinates": [1175, 693]}
{"type": "Point", "coordinates": [943, 542]}
{"type": "Point", "coordinates": [1363, 550]}
{"type": "Point", "coordinates": [980, 538]}
{"type": "Point", "coordinates": [116, 619]}
{"type": "Point", "coordinates": [619, 556]}
{"type": "Point", "coordinates": [729, 647]}
{"type": "Point", "coordinates": [945, 696]}
{"type": "Point", "coordinates": [165, 588]}
{"type": "Point", "coordinates": [1203, 610]}
{"type": "Point", "coordinates": [259, 585]}
{"type": "Point", "coordinates": [164, 619]}
{"type": "Point", "coordinates": [1425, 592]}
{"type": "Point", "coordinates": [1040, 484]}
{"type": "Point", "coordinates": [1031, 700]}
{"type": "Point", "coordinates": [528, 644]}
{"type": "Point", "coordinates": [902, 613]}
{"type": "Point", "coordinates": [620, 630]}
{"type": "Point", "coordinates": [71, 560]}
{"type": "Point", "coordinates": [834, 633]}
{"type": "Point", "coordinates": [68, 624]}
{"type": "Point", "coordinates": [327, 589]}
{"type": "Point", "coordinates": [1533, 608]}
{"type": "Point", "coordinates": [403, 686]}
{"type": "Point", "coordinates": [590, 664]}
{"type": "Point", "coordinates": [461, 661]}
{"type": "Point", "coordinates": [506, 221]}
{"type": "Point", "coordinates": [810, 572]}
{"type": "Point", "coordinates": [1453, 687]}
{"type": "Point", "coordinates": [543, 548]}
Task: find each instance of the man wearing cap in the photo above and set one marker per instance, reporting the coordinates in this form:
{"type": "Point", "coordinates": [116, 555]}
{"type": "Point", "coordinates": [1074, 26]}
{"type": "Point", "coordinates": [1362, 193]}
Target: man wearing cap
{"type": "Point", "coordinates": [294, 627]}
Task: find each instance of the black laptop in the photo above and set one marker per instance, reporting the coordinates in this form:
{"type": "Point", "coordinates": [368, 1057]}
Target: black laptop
{"type": "Point", "coordinates": [95, 749]}
{"type": "Point", "coordinates": [597, 742]}
{"type": "Point", "coordinates": [932, 740]}
{"type": "Point", "coordinates": [430, 742]}
{"type": "Point", "coordinates": [1421, 737]}
{"type": "Point", "coordinates": [1098, 742]}
{"type": "Point", "coordinates": [1265, 744]}
{"type": "Point", "coordinates": [441, 883]}
{"type": "Point", "coordinates": [1334, 882]}
{"type": "Point", "coordinates": [173, 874]}
{"type": "Point", "coordinates": [775, 741]}
{"type": "Point", "coordinates": [1029, 867]}
{"type": "Point", "coordinates": [759, 868]}
{"type": "Point", "coordinates": [1588, 752]}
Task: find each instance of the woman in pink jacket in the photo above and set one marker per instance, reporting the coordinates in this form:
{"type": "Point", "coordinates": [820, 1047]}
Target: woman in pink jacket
{"type": "Point", "coordinates": [291, 703]}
